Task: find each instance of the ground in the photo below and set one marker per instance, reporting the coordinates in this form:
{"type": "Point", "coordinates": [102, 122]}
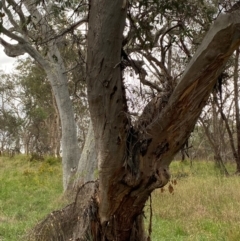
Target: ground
{"type": "Point", "coordinates": [203, 206]}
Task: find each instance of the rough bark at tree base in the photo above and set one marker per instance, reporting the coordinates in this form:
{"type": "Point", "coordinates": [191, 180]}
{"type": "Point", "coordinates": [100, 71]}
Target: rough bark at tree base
{"type": "Point", "coordinates": [79, 221]}
{"type": "Point", "coordinates": [70, 223]}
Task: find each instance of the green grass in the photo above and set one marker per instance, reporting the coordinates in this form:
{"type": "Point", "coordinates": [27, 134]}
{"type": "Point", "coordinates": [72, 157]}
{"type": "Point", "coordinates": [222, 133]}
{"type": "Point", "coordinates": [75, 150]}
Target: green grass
{"type": "Point", "coordinates": [28, 191]}
{"type": "Point", "coordinates": [205, 206]}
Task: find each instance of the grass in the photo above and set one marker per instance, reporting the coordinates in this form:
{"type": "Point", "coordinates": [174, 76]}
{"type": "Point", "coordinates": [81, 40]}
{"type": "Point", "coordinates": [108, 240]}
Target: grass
{"type": "Point", "coordinates": [204, 205]}
{"type": "Point", "coordinates": [28, 191]}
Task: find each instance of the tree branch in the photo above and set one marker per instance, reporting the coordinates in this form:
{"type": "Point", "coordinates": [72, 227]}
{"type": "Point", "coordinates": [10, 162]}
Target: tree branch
{"type": "Point", "coordinates": [9, 14]}
{"type": "Point", "coordinates": [157, 35]}
{"type": "Point", "coordinates": [178, 118]}
{"type": "Point", "coordinates": [12, 35]}
{"type": "Point", "coordinates": [17, 8]}
{"type": "Point", "coordinates": [69, 29]}
{"type": "Point", "coordinates": [163, 49]}
{"type": "Point", "coordinates": [150, 58]}
{"type": "Point", "coordinates": [12, 50]}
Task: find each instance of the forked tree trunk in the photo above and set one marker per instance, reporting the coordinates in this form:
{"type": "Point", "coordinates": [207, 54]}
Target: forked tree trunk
{"type": "Point", "coordinates": [133, 160]}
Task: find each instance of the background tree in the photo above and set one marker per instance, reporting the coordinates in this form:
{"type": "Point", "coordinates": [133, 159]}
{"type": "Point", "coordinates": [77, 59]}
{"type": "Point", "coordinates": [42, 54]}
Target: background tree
{"type": "Point", "coordinates": [28, 91]}
{"type": "Point", "coordinates": [220, 120]}
{"type": "Point", "coordinates": [35, 28]}
{"type": "Point", "coordinates": [10, 118]}
{"type": "Point", "coordinates": [42, 133]}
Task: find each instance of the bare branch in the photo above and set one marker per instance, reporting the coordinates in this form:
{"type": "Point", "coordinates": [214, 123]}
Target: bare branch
{"type": "Point", "coordinates": [185, 49]}
{"type": "Point", "coordinates": [137, 66]}
{"type": "Point", "coordinates": [157, 35]}
{"type": "Point", "coordinates": [12, 35]}
{"type": "Point", "coordinates": [69, 29]}
{"type": "Point", "coordinates": [18, 10]}
{"type": "Point", "coordinates": [9, 14]}
{"type": "Point", "coordinates": [150, 58]}
{"type": "Point", "coordinates": [163, 49]}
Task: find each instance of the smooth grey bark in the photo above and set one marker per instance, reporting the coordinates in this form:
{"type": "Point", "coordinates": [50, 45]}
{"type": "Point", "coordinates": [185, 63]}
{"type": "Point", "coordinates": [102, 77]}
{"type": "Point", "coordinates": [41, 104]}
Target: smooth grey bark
{"type": "Point", "coordinates": [69, 144]}
{"type": "Point", "coordinates": [87, 168]}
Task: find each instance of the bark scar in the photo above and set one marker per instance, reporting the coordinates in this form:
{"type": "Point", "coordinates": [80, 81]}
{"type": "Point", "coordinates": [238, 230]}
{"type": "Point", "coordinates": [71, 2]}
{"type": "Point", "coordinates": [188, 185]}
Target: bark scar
{"type": "Point", "coordinates": [101, 65]}
{"type": "Point", "coordinates": [113, 92]}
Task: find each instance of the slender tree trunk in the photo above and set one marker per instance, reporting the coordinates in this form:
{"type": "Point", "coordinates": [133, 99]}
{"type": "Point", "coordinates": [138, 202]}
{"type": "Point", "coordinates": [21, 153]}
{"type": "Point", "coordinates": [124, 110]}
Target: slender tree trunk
{"type": "Point", "coordinates": [236, 100]}
{"type": "Point", "coordinates": [230, 133]}
{"type": "Point", "coordinates": [70, 149]}
{"type": "Point", "coordinates": [214, 143]}
{"type": "Point", "coordinates": [217, 138]}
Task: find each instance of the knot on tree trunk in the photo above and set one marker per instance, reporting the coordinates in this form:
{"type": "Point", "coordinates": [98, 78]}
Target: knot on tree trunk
{"type": "Point", "coordinates": [159, 179]}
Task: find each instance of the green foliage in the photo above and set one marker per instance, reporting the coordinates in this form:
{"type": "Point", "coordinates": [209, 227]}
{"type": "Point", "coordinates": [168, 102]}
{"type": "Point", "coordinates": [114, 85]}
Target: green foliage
{"type": "Point", "coordinates": [9, 122]}
{"type": "Point", "coordinates": [41, 124]}
{"type": "Point", "coordinates": [10, 119]}
{"type": "Point", "coordinates": [38, 113]}
{"type": "Point", "coordinates": [36, 90]}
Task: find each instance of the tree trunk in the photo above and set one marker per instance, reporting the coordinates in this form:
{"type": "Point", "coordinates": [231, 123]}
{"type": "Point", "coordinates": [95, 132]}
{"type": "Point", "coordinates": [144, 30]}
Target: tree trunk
{"type": "Point", "coordinates": [87, 168]}
{"type": "Point", "coordinates": [214, 143]}
{"type": "Point", "coordinates": [70, 149]}
{"type": "Point", "coordinates": [54, 137]}
{"type": "Point", "coordinates": [132, 159]}
{"type": "Point", "coordinates": [230, 132]}
{"type": "Point", "coordinates": [236, 101]}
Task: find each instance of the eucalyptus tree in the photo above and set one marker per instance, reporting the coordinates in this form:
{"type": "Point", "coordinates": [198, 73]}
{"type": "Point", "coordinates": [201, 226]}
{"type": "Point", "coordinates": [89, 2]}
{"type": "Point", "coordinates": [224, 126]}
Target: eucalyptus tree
{"type": "Point", "coordinates": [42, 131]}
{"type": "Point", "coordinates": [36, 28]}
{"type": "Point", "coordinates": [134, 156]}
